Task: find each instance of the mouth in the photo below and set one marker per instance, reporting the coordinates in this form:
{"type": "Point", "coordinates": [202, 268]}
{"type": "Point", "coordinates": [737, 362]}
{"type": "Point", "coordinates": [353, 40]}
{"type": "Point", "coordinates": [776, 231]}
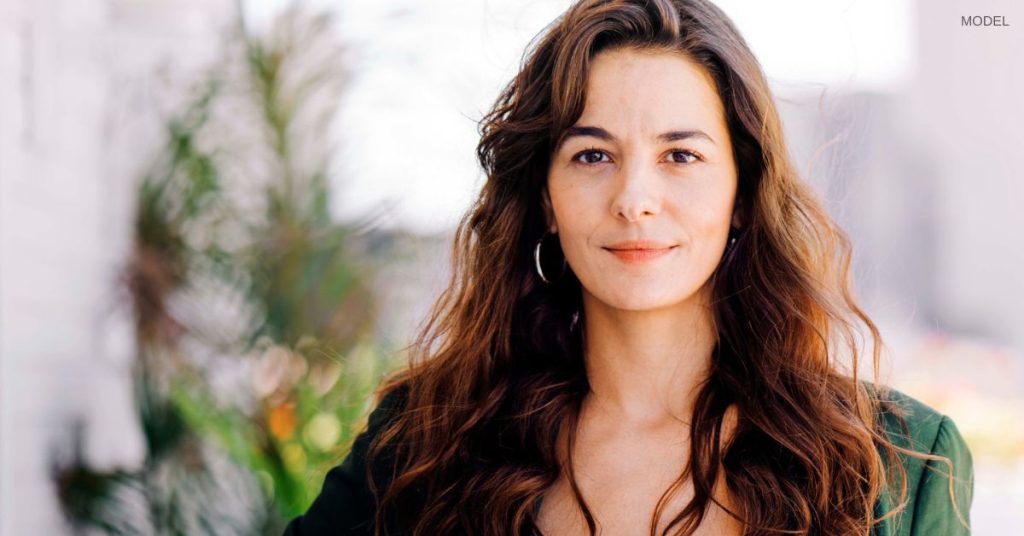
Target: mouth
{"type": "Point", "coordinates": [639, 244]}
{"type": "Point", "coordinates": [639, 254]}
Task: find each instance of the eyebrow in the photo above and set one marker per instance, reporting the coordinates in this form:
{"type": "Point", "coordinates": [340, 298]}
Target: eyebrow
{"type": "Point", "coordinates": [600, 133]}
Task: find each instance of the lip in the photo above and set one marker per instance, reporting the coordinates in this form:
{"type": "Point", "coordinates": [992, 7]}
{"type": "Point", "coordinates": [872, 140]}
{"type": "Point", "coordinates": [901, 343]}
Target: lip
{"type": "Point", "coordinates": [639, 250]}
{"type": "Point", "coordinates": [639, 244]}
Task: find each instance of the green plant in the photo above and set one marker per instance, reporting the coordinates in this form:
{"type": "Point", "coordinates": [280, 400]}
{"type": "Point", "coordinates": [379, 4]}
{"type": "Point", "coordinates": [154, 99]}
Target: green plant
{"type": "Point", "coordinates": [254, 311]}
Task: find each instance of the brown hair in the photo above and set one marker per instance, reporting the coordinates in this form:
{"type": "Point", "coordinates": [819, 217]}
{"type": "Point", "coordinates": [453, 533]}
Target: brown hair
{"type": "Point", "coordinates": [497, 369]}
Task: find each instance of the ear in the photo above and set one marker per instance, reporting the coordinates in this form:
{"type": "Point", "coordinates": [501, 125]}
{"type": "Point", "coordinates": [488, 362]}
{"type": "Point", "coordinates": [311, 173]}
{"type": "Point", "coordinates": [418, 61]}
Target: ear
{"type": "Point", "coordinates": [549, 212]}
{"type": "Point", "coordinates": [737, 213]}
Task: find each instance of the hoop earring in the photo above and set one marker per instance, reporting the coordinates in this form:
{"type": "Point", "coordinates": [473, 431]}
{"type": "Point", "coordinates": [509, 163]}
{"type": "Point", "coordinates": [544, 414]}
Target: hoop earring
{"type": "Point", "coordinates": [732, 238]}
{"type": "Point", "coordinates": [536, 260]}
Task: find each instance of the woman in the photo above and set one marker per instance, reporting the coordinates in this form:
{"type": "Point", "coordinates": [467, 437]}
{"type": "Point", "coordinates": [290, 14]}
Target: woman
{"type": "Point", "coordinates": [646, 322]}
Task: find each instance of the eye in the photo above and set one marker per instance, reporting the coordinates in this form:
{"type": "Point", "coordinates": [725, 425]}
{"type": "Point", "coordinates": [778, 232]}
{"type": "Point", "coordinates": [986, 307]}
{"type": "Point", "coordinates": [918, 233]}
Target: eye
{"type": "Point", "coordinates": [592, 156]}
{"type": "Point", "coordinates": [588, 154]}
{"type": "Point", "coordinates": [689, 156]}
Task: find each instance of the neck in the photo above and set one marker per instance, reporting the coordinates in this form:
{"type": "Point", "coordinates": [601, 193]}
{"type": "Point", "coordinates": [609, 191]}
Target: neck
{"type": "Point", "coordinates": [644, 367]}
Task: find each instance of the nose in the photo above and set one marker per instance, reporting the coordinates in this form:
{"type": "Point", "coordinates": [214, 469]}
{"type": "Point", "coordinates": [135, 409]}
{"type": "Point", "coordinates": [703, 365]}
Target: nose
{"type": "Point", "coordinates": [637, 192]}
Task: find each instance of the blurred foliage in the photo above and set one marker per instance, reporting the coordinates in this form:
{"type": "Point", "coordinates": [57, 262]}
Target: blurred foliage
{"type": "Point", "coordinates": [254, 312]}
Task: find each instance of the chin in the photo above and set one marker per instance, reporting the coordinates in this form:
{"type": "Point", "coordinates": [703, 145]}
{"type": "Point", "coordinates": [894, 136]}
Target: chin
{"type": "Point", "coordinates": [646, 299]}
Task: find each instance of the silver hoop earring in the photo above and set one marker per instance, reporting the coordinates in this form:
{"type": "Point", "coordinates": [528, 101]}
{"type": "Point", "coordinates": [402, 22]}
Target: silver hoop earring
{"type": "Point", "coordinates": [536, 261]}
{"type": "Point", "coordinates": [732, 238]}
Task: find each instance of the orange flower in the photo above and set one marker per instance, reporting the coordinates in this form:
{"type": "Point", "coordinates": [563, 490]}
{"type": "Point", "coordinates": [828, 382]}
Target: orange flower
{"type": "Point", "coordinates": [282, 420]}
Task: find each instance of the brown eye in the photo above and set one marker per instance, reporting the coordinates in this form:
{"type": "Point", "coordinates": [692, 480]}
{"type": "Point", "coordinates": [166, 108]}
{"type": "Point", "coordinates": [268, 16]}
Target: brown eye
{"type": "Point", "coordinates": [590, 156]}
{"type": "Point", "coordinates": [688, 157]}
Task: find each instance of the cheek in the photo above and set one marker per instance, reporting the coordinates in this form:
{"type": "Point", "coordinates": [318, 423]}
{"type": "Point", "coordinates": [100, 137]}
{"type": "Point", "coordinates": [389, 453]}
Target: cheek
{"type": "Point", "coordinates": [709, 206]}
{"type": "Point", "coordinates": [703, 221]}
{"type": "Point", "coordinates": [575, 227]}
{"type": "Point", "coordinates": [577, 220]}
{"type": "Point", "coordinates": [573, 211]}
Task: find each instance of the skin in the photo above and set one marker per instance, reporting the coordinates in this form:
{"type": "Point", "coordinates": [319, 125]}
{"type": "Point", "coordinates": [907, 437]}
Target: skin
{"type": "Point", "coordinates": [649, 334]}
{"type": "Point", "coordinates": [648, 325]}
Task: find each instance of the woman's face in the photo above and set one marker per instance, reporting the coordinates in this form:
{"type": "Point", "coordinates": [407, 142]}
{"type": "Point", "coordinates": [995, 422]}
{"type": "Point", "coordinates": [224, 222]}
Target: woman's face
{"type": "Point", "coordinates": [650, 159]}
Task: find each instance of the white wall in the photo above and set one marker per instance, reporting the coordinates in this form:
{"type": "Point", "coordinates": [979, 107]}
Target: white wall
{"type": "Point", "coordinates": [965, 106]}
{"type": "Point", "coordinates": [81, 83]}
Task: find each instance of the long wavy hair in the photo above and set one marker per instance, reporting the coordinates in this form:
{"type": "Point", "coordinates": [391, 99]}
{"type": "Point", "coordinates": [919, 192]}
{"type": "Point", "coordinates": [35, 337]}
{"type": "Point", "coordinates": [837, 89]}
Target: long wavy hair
{"type": "Point", "coordinates": [497, 369]}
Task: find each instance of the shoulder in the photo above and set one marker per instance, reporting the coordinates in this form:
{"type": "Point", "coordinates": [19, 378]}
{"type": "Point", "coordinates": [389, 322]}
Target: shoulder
{"type": "Point", "coordinates": [912, 424]}
{"type": "Point", "coordinates": [392, 401]}
{"type": "Point", "coordinates": [923, 422]}
{"type": "Point", "coordinates": [927, 430]}
{"type": "Point", "coordinates": [346, 504]}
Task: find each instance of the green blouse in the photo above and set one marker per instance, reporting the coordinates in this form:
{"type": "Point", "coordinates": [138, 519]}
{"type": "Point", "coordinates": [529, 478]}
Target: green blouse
{"type": "Point", "coordinates": [930, 510]}
{"type": "Point", "coordinates": [345, 505]}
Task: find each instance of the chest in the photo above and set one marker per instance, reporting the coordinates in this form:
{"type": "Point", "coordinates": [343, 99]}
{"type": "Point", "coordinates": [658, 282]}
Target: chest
{"type": "Point", "coordinates": [627, 508]}
{"type": "Point", "coordinates": [622, 478]}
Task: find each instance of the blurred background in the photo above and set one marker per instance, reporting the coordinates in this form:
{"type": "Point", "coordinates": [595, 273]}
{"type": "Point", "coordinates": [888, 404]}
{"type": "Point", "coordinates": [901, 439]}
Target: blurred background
{"type": "Point", "coordinates": [221, 221]}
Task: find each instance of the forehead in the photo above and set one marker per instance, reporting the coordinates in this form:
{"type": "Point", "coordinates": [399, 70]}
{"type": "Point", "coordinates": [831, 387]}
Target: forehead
{"type": "Point", "coordinates": [634, 92]}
